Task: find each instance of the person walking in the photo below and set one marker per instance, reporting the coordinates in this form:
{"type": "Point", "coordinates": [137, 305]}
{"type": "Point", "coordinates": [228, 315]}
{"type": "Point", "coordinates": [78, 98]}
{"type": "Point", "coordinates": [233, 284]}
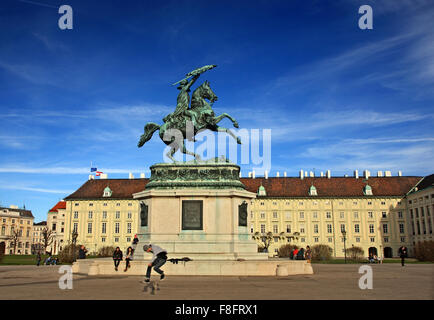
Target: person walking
{"type": "Point", "coordinates": [117, 257]}
{"type": "Point", "coordinates": [403, 254]}
{"type": "Point", "coordinates": [128, 258]}
{"type": "Point", "coordinates": [38, 259]}
{"type": "Point", "coordinates": [82, 252]}
{"type": "Point", "coordinates": [159, 258]}
{"type": "Point", "coordinates": [308, 254]}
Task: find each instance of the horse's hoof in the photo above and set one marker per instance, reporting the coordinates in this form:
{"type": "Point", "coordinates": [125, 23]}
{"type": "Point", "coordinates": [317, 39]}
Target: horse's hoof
{"type": "Point", "coordinates": [236, 125]}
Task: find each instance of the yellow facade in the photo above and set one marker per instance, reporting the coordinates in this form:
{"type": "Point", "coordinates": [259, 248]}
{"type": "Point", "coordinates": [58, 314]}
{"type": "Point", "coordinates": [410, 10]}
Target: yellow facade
{"type": "Point", "coordinates": [56, 223]}
{"type": "Point", "coordinates": [421, 210]}
{"type": "Point", "coordinates": [100, 223]}
{"type": "Point", "coordinates": [369, 223]}
{"type": "Point", "coordinates": [14, 219]}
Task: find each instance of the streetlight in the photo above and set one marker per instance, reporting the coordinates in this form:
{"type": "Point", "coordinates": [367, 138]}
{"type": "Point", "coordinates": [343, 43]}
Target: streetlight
{"type": "Point", "coordinates": [74, 240]}
{"type": "Point", "coordinates": [344, 233]}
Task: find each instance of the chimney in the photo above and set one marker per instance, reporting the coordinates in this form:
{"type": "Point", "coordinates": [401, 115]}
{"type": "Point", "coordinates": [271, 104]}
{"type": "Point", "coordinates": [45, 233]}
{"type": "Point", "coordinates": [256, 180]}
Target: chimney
{"type": "Point", "coordinates": [329, 174]}
{"type": "Point", "coordinates": [266, 174]}
{"type": "Point", "coordinates": [130, 176]}
{"type": "Point", "coordinates": [399, 173]}
{"type": "Point", "coordinates": [387, 173]}
{"type": "Point", "coordinates": [284, 173]}
{"type": "Point", "coordinates": [322, 174]}
{"type": "Point", "coordinates": [367, 174]}
{"type": "Point", "coordinates": [253, 174]}
{"type": "Point", "coordinates": [356, 174]}
{"type": "Point", "coordinates": [306, 174]}
{"type": "Point", "coordinates": [91, 177]}
{"type": "Point", "coordinates": [240, 174]}
{"type": "Point", "coordinates": [103, 176]}
{"type": "Point", "coordinates": [250, 174]}
{"type": "Point", "coordinates": [277, 174]}
{"type": "Point", "coordinates": [379, 173]}
{"type": "Point", "coordinates": [311, 174]}
{"type": "Point", "coordinates": [301, 174]}
{"type": "Point", "coordinates": [142, 175]}
{"type": "Point", "coordinates": [345, 175]}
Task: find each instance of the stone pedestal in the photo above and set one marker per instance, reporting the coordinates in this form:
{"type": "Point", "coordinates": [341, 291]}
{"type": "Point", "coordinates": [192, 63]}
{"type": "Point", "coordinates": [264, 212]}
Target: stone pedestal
{"type": "Point", "coordinates": [197, 210]}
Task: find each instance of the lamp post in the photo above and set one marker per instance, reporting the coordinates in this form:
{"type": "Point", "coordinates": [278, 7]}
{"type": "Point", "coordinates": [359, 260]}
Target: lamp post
{"type": "Point", "coordinates": [344, 233]}
{"type": "Point", "coordinates": [74, 240]}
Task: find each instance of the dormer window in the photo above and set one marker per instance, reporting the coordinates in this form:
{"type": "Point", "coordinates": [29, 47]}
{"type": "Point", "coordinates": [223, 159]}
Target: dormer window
{"type": "Point", "coordinates": [261, 191]}
{"type": "Point", "coordinates": [312, 191]}
{"type": "Point", "coordinates": [107, 192]}
{"type": "Point", "coordinates": [367, 190]}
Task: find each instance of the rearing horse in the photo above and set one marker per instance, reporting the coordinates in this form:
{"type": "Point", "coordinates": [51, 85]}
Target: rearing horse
{"type": "Point", "coordinates": [200, 115]}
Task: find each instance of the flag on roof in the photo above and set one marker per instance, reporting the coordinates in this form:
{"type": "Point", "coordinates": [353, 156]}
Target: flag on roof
{"type": "Point", "coordinates": [93, 169]}
{"type": "Point", "coordinates": [98, 173]}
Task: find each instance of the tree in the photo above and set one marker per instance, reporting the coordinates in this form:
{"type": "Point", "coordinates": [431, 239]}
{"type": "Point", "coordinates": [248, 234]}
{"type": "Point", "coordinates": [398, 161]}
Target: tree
{"type": "Point", "coordinates": [265, 238]}
{"type": "Point", "coordinates": [15, 237]}
{"type": "Point", "coordinates": [47, 237]}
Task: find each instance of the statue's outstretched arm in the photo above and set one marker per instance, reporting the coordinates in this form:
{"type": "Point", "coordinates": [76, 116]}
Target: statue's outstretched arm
{"type": "Point", "coordinates": [192, 81]}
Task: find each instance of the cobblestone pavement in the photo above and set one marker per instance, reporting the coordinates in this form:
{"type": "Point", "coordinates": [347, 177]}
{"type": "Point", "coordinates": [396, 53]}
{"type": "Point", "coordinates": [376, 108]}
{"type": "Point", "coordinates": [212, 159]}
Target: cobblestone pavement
{"type": "Point", "coordinates": [329, 281]}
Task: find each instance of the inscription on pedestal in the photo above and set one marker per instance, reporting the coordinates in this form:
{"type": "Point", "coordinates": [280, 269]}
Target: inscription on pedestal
{"type": "Point", "coordinates": [242, 215]}
{"type": "Point", "coordinates": [143, 215]}
{"type": "Point", "coordinates": [192, 215]}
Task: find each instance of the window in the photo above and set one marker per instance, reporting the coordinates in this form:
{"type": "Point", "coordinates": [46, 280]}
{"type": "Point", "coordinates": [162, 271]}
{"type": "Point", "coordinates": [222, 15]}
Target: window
{"type": "Point", "coordinates": [328, 215]}
{"type": "Point", "coordinates": [53, 227]}
{"type": "Point", "coordinates": [288, 228]}
{"type": "Point", "coordinates": [76, 204]}
{"type": "Point", "coordinates": [91, 204]}
{"type": "Point", "coordinates": [315, 215]}
{"type": "Point", "coordinates": [287, 203]}
{"type": "Point", "coordinates": [356, 228]}
{"type": "Point", "coordinates": [372, 239]}
{"type": "Point", "coordinates": [342, 228]}
{"type": "Point", "coordinates": [129, 227]}
{"type": "Point", "coordinates": [386, 239]}
{"type": "Point", "coordinates": [262, 215]}
{"type": "Point", "coordinates": [301, 215]}
{"type": "Point", "coordinates": [105, 205]}
{"type": "Point", "coordinates": [288, 215]}
{"type": "Point", "coordinates": [274, 203]}
{"type": "Point", "coordinates": [418, 227]}
{"type": "Point", "coordinates": [342, 215]}
{"type": "Point", "coordinates": [302, 228]}
{"type": "Point", "coordinates": [130, 204]}
{"type": "Point", "coordinates": [357, 239]}
{"type": "Point", "coordinates": [422, 213]}
{"type": "Point", "coordinates": [385, 228]}
{"type": "Point", "coordinates": [129, 214]}
{"type": "Point", "coordinates": [316, 239]}
{"type": "Point", "coordinates": [89, 227]}
{"type": "Point", "coordinates": [430, 225]}
{"type": "Point", "coordinates": [371, 228]}
{"type": "Point", "coordinates": [116, 239]}
{"type": "Point", "coordinates": [3, 231]}
{"type": "Point", "coordinates": [118, 204]}
{"type": "Point", "coordinates": [118, 215]}
{"type": "Point", "coordinates": [276, 240]}
{"type": "Point", "coordinates": [75, 228]}
{"type": "Point", "coordinates": [402, 239]}
{"type": "Point", "coordinates": [104, 227]}
{"type": "Point", "coordinates": [315, 228]}
{"type": "Point", "coordinates": [384, 214]}
{"type": "Point", "coordinates": [369, 203]}
{"type": "Point", "coordinates": [341, 203]}
{"type": "Point", "coordinates": [262, 228]}
{"type": "Point", "coordinates": [262, 203]}
{"type": "Point", "coordinates": [302, 239]}
{"type": "Point", "coordinates": [423, 227]}
{"type": "Point", "coordinates": [383, 203]}
{"type": "Point", "coordinates": [75, 214]}
{"type": "Point", "coordinates": [90, 214]}
{"type": "Point", "coordinates": [252, 215]}
{"type": "Point", "coordinates": [117, 227]}
{"type": "Point", "coordinates": [329, 239]}
{"type": "Point", "coordinates": [300, 203]}
{"type": "Point", "coordinates": [400, 214]}
{"type": "Point", "coordinates": [128, 239]}
{"type": "Point", "coordinates": [411, 213]}
{"type": "Point", "coordinates": [401, 228]}
{"type": "Point", "coordinates": [104, 214]}
{"type": "Point", "coordinates": [370, 215]}
{"type": "Point", "coordinates": [102, 239]}
{"type": "Point", "coordinates": [275, 228]}
{"type": "Point", "coordinates": [274, 215]}
{"type": "Point", "coordinates": [329, 228]}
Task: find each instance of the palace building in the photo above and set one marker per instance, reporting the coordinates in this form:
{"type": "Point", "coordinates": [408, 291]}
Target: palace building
{"type": "Point", "coordinates": [377, 214]}
{"type": "Point", "coordinates": [56, 224]}
{"type": "Point", "coordinates": [16, 230]}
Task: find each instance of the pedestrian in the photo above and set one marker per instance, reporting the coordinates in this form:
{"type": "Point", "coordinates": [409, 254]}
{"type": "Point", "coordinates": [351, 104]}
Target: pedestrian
{"type": "Point", "coordinates": [294, 254]}
{"type": "Point", "coordinates": [159, 258]}
{"type": "Point", "coordinates": [403, 254]}
{"type": "Point", "coordinates": [82, 252]}
{"type": "Point", "coordinates": [38, 259]}
{"type": "Point", "coordinates": [308, 254]}
{"type": "Point", "coordinates": [128, 258]}
{"type": "Point", "coordinates": [117, 257]}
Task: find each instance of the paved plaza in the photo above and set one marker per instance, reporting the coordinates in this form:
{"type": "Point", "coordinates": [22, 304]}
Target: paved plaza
{"type": "Point", "coordinates": [330, 281]}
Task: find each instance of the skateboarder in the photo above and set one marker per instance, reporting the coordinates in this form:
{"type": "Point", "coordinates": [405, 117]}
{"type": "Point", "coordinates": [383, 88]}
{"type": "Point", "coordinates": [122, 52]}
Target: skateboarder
{"type": "Point", "coordinates": [159, 258]}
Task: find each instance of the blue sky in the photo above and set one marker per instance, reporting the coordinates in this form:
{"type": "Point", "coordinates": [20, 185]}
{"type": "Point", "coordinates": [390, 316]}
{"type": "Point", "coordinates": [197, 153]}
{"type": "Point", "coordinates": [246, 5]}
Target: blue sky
{"type": "Point", "coordinates": [334, 96]}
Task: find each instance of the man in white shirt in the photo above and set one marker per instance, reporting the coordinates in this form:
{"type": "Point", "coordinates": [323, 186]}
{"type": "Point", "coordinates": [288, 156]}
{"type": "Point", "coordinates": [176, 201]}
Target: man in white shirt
{"type": "Point", "coordinates": [159, 258]}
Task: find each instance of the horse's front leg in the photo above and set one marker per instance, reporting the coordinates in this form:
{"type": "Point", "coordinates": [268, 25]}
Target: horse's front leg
{"type": "Point", "coordinates": [184, 150]}
{"type": "Point", "coordinates": [225, 115]}
{"type": "Point", "coordinates": [229, 132]}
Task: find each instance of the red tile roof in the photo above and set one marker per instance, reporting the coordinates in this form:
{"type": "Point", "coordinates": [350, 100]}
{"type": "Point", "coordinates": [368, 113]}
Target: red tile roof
{"type": "Point", "coordinates": [333, 187]}
{"type": "Point", "coordinates": [275, 187]}
{"type": "Point", "coordinates": [59, 205]}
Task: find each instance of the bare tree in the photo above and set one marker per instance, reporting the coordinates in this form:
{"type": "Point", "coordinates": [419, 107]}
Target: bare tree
{"type": "Point", "coordinates": [265, 238]}
{"type": "Point", "coordinates": [47, 237]}
{"type": "Point", "coordinates": [15, 238]}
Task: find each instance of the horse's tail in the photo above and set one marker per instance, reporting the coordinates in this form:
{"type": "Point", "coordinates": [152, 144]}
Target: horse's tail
{"type": "Point", "coordinates": [150, 128]}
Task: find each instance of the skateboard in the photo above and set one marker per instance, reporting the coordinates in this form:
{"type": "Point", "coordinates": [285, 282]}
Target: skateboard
{"type": "Point", "coordinates": [153, 286]}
